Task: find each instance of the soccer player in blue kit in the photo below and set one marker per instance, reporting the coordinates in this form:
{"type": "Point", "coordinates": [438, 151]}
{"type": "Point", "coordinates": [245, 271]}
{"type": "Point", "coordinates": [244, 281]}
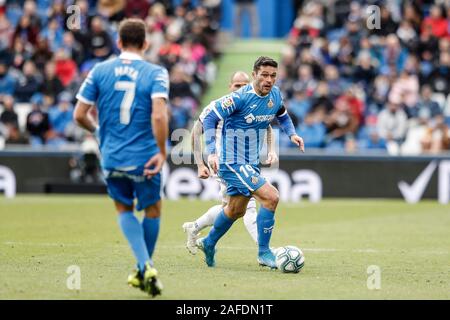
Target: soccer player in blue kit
{"type": "Point", "coordinates": [131, 96]}
{"type": "Point", "coordinates": [246, 114]}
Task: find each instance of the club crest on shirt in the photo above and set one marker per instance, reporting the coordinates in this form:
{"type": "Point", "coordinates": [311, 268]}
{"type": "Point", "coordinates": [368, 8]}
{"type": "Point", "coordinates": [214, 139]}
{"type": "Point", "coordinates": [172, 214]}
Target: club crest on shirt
{"type": "Point", "coordinates": [255, 180]}
{"type": "Point", "coordinates": [270, 103]}
{"type": "Point", "coordinates": [227, 102]}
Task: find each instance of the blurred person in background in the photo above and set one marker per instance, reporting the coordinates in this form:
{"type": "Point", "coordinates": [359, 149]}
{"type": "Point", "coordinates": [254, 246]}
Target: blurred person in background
{"type": "Point", "coordinates": [341, 125]}
{"type": "Point", "coordinates": [313, 129]}
{"type": "Point", "coordinates": [28, 83]}
{"type": "Point", "coordinates": [9, 115]}
{"type": "Point", "coordinates": [392, 125]}
{"type": "Point", "coordinates": [51, 86]}
{"type": "Point", "coordinates": [99, 43]}
{"type": "Point", "coordinates": [248, 7]}
{"type": "Point", "coordinates": [7, 81]}
{"type": "Point", "coordinates": [61, 117]}
{"type": "Point", "coordinates": [38, 124]}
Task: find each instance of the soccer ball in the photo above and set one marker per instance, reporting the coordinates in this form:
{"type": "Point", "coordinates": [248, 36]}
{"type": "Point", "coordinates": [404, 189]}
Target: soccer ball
{"type": "Point", "coordinates": [289, 259]}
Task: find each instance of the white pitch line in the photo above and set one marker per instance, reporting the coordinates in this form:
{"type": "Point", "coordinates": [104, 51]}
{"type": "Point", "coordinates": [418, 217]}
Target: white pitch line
{"type": "Point", "coordinates": [250, 248]}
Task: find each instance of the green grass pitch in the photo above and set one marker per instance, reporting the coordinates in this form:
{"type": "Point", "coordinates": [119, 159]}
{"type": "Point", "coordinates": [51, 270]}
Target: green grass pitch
{"type": "Point", "coordinates": [41, 236]}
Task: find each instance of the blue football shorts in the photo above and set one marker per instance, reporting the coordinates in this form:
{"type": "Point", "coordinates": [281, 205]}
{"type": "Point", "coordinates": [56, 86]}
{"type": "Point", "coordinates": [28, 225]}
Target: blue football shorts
{"type": "Point", "coordinates": [241, 179]}
{"type": "Point", "coordinates": [125, 186]}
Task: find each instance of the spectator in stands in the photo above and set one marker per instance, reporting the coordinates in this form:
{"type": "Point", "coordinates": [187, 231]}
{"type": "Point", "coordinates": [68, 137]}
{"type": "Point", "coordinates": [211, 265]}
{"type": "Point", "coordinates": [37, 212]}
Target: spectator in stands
{"type": "Point", "coordinates": [368, 137]}
{"type": "Point", "coordinates": [26, 31]}
{"type": "Point", "coordinates": [436, 137]}
{"type": "Point", "coordinates": [306, 81]}
{"type": "Point", "coordinates": [99, 42]}
{"type": "Point", "coordinates": [53, 34]}
{"type": "Point", "coordinates": [42, 54]}
{"type": "Point", "coordinates": [180, 114]}
{"type": "Point", "coordinates": [425, 108]}
{"type": "Point", "coordinates": [436, 22]}
{"type": "Point", "coordinates": [17, 56]}
{"type": "Point", "coordinates": [180, 84]}
{"type": "Point", "coordinates": [65, 67]}
{"type": "Point", "coordinates": [52, 86]}
{"type": "Point", "coordinates": [248, 7]}
{"type": "Point", "coordinates": [38, 124]}
{"type": "Point", "coordinates": [341, 124]}
{"type": "Point", "coordinates": [313, 130]}
{"type": "Point", "coordinates": [6, 30]}
{"type": "Point", "coordinates": [57, 11]}
{"type": "Point", "coordinates": [365, 72]}
{"type": "Point", "coordinates": [15, 136]}
{"type": "Point", "coordinates": [439, 78]}
{"type": "Point", "coordinates": [7, 81]}
{"type": "Point", "coordinates": [405, 88]}
{"type": "Point", "coordinates": [392, 125]}
{"type": "Point", "coordinates": [72, 48]}
{"type": "Point", "coordinates": [61, 117]}
{"type": "Point", "coordinates": [9, 115]}
{"type": "Point", "coordinates": [335, 85]}
{"type": "Point", "coordinates": [137, 8]}
{"type": "Point", "coordinates": [299, 106]}
{"type": "Point", "coordinates": [113, 10]}
{"type": "Point", "coordinates": [28, 83]}
{"type": "Point", "coordinates": [321, 99]}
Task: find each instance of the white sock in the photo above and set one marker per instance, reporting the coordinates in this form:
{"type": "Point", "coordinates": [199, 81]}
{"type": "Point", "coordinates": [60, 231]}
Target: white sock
{"type": "Point", "coordinates": [250, 220]}
{"type": "Point", "coordinates": [208, 218]}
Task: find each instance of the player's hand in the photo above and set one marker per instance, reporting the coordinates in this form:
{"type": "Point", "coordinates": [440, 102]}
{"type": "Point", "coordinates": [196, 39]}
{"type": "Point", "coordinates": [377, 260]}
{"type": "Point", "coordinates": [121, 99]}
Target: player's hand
{"type": "Point", "coordinates": [298, 141]}
{"type": "Point", "coordinates": [272, 158]}
{"type": "Point", "coordinates": [213, 162]}
{"type": "Point", "coordinates": [202, 171]}
{"type": "Point", "coordinates": [154, 165]}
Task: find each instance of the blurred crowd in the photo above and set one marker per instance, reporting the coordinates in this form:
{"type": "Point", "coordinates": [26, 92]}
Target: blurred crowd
{"type": "Point", "coordinates": [351, 83]}
{"type": "Point", "coordinates": [46, 51]}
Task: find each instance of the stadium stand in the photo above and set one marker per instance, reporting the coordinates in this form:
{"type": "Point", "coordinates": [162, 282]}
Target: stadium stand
{"type": "Point", "coordinates": [45, 53]}
{"type": "Point", "coordinates": [352, 87]}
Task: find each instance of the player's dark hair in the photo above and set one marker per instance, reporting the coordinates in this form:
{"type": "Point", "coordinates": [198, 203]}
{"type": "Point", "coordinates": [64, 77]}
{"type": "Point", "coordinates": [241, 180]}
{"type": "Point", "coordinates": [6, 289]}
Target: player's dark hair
{"type": "Point", "coordinates": [263, 62]}
{"type": "Point", "coordinates": [132, 33]}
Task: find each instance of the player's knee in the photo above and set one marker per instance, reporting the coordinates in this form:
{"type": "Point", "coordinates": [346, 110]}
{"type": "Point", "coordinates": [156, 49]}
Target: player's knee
{"type": "Point", "coordinates": [153, 211]}
{"type": "Point", "coordinates": [272, 200]}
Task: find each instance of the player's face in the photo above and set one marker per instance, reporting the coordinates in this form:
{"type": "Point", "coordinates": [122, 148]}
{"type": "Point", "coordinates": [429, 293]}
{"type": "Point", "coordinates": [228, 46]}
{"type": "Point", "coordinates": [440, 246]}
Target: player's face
{"type": "Point", "coordinates": [265, 78]}
{"type": "Point", "coordinates": [237, 84]}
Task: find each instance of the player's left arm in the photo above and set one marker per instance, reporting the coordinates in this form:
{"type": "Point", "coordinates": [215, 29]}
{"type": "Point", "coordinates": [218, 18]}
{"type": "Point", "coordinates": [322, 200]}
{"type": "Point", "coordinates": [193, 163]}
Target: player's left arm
{"type": "Point", "coordinates": [272, 156]}
{"type": "Point", "coordinates": [288, 127]}
{"type": "Point", "coordinates": [160, 122]}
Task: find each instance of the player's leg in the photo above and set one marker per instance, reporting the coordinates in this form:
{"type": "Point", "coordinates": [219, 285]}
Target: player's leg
{"type": "Point", "coordinates": [121, 191]}
{"type": "Point", "coordinates": [250, 220]}
{"type": "Point", "coordinates": [234, 210]}
{"type": "Point", "coordinates": [192, 229]}
{"type": "Point", "coordinates": [268, 197]}
{"type": "Point", "coordinates": [148, 197]}
{"type": "Point", "coordinates": [150, 226]}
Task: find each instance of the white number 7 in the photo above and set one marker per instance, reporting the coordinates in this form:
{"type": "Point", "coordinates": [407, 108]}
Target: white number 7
{"type": "Point", "coordinates": [129, 88]}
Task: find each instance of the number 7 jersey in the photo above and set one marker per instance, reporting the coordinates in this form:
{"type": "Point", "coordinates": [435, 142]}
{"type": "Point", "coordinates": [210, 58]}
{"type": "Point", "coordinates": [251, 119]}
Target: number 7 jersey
{"type": "Point", "coordinates": [122, 90]}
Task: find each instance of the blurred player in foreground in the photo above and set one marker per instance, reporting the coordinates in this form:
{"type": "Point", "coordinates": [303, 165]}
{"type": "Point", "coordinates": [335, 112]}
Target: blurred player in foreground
{"type": "Point", "coordinates": [192, 229]}
{"type": "Point", "coordinates": [246, 114]}
{"type": "Point", "coordinates": [131, 98]}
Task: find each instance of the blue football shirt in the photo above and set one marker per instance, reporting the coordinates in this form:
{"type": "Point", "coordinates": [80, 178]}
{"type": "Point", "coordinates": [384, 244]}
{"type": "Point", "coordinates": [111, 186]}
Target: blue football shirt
{"type": "Point", "coordinates": [246, 117]}
{"type": "Point", "coordinates": [122, 90]}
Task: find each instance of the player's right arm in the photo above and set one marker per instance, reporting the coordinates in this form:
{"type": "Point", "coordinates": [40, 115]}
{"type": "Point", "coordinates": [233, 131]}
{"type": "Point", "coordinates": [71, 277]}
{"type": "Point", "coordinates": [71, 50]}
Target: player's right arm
{"type": "Point", "coordinates": [220, 110]}
{"type": "Point", "coordinates": [87, 95]}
